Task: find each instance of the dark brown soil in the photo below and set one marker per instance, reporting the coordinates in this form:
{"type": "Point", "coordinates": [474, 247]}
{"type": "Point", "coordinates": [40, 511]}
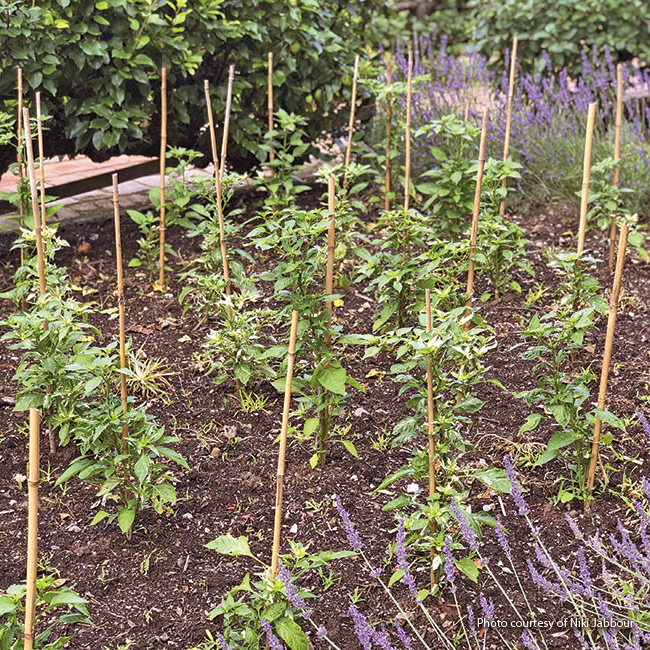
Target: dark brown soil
{"type": "Point", "coordinates": [230, 488]}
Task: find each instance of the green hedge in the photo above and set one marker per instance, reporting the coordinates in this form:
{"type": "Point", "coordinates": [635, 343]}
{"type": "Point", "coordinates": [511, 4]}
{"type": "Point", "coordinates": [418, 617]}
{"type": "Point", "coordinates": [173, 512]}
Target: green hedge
{"type": "Point", "coordinates": [97, 65]}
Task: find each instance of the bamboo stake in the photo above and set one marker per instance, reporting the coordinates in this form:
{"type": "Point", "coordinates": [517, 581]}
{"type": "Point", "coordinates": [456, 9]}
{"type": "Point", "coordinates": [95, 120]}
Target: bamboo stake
{"type": "Point", "coordinates": [41, 157]}
{"type": "Point", "coordinates": [389, 107]}
{"type": "Point", "coordinates": [353, 106]}
{"type": "Point", "coordinates": [407, 135]}
{"type": "Point", "coordinates": [163, 153]}
{"type": "Point", "coordinates": [37, 216]}
{"type": "Point", "coordinates": [607, 356]}
{"type": "Point", "coordinates": [277, 527]}
{"type": "Point", "coordinates": [269, 83]}
{"type": "Point", "coordinates": [331, 242]}
{"type": "Point", "coordinates": [586, 174]}
{"type": "Point", "coordinates": [617, 155]}
{"type": "Point", "coordinates": [32, 526]}
{"type": "Point", "coordinates": [19, 159]}
{"type": "Point", "coordinates": [511, 92]}
{"type": "Point", "coordinates": [120, 304]}
{"type": "Point", "coordinates": [477, 207]}
{"type": "Point", "coordinates": [217, 185]}
{"type": "Point", "coordinates": [226, 120]}
{"type": "Point", "coordinates": [466, 114]}
{"type": "Point", "coordinates": [430, 423]}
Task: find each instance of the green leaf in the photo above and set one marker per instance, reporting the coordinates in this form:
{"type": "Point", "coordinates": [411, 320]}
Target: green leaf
{"type": "Point", "coordinates": [333, 378]}
{"type": "Point", "coordinates": [468, 567]}
{"type": "Point", "coordinates": [7, 606]}
{"type": "Point", "coordinates": [532, 422]}
{"type": "Point", "coordinates": [291, 633]}
{"type": "Point", "coordinates": [274, 611]}
{"type": "Point", "coordinates": [469, 405]}
{"type": "Point", "coordinates": [172, 455]}
{"type": "Point", "coordinates": [494, 478]}
{"type": "Point", "coordinates": [229, 545]}
{"type": "Point", "coordinates": [125, 518]}
{"type": "Point", "coordinates": [349, 445]}
{"type": "Point", "coordinates": [560, 439]}
{"type": "Point", "coordinates": [100, 516]}
{"type": "Point", "coordinates": [398, 574]}
{"type": "Point", "coordinates": [28, 401]}
{"type": "Point", "coordinates": [141, 468]}
{"type": "Point", "coordinates": [609, 418]}
{"type": "Point", "coordinates": [310, 426]}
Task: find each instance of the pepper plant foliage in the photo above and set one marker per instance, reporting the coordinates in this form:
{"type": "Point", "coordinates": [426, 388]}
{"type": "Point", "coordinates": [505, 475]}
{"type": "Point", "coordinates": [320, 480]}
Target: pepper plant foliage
{"type": "Point", "coordinates": [98, 63]}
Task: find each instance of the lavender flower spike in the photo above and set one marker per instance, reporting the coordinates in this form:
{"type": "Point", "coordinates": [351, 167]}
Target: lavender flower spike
{"type": "Point", "coordinates": [502, 536]}
{"type": "Point", "coordinates": [402, 636]}
{"type": "Point", "coordinates": [515, 488]}
{"type": "Point", "coordinates": [644, 424]}
{"type": "Point", "coordinates": [274, 642]}
{"type": "Point", "coordinates": [221, 640]}
{"type": "Point", "coordinates": [297, 602]}
{"type": "Point", "coordinates": [450, 567]}
{"type": "Point", "coordinates": [350, 531]}
{"type": "Point", "coordinates": [402, 562]}
{"type": "Point", "coordinates": [465, 529]}
{"type": "Point", "coordinates": [362, 627]}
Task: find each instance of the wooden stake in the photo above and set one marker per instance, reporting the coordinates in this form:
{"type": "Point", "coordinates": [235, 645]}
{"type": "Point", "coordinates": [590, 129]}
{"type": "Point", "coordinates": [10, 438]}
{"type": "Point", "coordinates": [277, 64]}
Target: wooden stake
{"type": "Point", "coordinates": [277, 528]}
{"type": "Point", "coordinates": [477, 207]}
{"type": "Point", "coordinates": [430, 423]}
{"type": "Point", "coordinates": [163, 165]}
{"type": "Point", "coordinates": [41, 157]}
{"type": "Point", "coordinates": [36, 210]}
{"type": "Point", "coordinates": [32, 526]}
{"type": "Point", "coordinates": [607, 356]}
{"type": "Point", "coordinates": [617, 155]}
{"type": "Point", "coordinates": [389, 108]}
{"type": "Point", "coordinates": [407, 135]}
{"type": "Point", "coordinates": [511, 93]}
{"type": "Point", "coordinates": [226, 120]}
{"type": "Point", "coordinates": [270, 103]}
{"type": "Point", "coordinates": [19, 159]}
{"type": "Point", "coordinates": [586, 174]}
{"type": "Point", "coordinates": [120, 303]}
{"type": "Point", "coordinates": [331, 243]}
{"type": "Point", "coordinates": [353, 106]}
{"type": "Point", "coordinates": [217, 185]}
{"type": "Point", "coordinates": [466, 114]}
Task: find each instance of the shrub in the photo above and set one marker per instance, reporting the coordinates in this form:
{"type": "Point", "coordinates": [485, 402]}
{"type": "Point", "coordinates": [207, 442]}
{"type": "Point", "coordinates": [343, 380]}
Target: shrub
{"type": "Point", "coordinates": [97, 64]}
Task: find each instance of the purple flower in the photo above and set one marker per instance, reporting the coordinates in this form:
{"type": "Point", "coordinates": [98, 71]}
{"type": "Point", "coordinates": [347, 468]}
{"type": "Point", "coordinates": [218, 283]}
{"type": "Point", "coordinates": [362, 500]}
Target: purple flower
{"type": "Point", "coordinates": [487, 607]}
{"type": "Point", "coordinates": [273, 641]}
{"type": "Point", "coordinates": [450, 567]}
{"type": "Point", "coordinates": [466, 530]}
{"type": "Point", "coordinates": [353, 536]}
{"type": "Point", "coordinates": [381, 639]}
{"type": "Point", "coordinates": [362, 627]}
{"type": "Point", "coordinates": [528, 641]}
{"type": "Point", "coordinates": [222, 641]}
{"type": "Point", "coordinates": [645, 424]}
{"type": "Point", "coordinates": [402, 562]}
{"type": "Point", "coordinates": [402, 636]}
{"type": "Point", "coordinates": [585, 574]}
{"type": "Point", "coordinates": [293, 597]}
{"type": "Point", "coordinates": [502, 536]}
{"type": "Point", "coordinates": [574, 527]}
{"type": "Point", "coordinates": [321, 632]}
{"type": "Point", "coordinates": [515, 487]}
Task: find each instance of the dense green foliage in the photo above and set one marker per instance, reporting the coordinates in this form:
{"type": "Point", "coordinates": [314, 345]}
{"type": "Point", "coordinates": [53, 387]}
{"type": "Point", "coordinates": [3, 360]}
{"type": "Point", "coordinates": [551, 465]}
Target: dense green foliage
{"type": "Point", "coordinates": [98, 67]}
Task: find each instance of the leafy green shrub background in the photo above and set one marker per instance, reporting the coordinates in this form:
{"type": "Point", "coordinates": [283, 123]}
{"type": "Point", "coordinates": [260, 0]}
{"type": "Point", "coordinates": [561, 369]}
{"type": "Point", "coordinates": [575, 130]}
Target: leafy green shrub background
{"type": "Point", "coordinates": [563, 28]}
{"type": "Point", "coordinates": [97, 64]}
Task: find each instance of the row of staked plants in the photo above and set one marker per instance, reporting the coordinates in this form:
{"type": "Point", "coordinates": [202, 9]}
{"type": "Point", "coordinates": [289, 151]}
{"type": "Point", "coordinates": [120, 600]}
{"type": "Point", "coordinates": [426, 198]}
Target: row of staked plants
{"type": "Point", "coordinates": [71, 374]}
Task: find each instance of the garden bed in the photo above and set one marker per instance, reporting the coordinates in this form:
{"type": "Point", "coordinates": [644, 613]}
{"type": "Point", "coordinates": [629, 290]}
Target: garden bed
{"type": "Point", "coordinates": [156, 589]}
